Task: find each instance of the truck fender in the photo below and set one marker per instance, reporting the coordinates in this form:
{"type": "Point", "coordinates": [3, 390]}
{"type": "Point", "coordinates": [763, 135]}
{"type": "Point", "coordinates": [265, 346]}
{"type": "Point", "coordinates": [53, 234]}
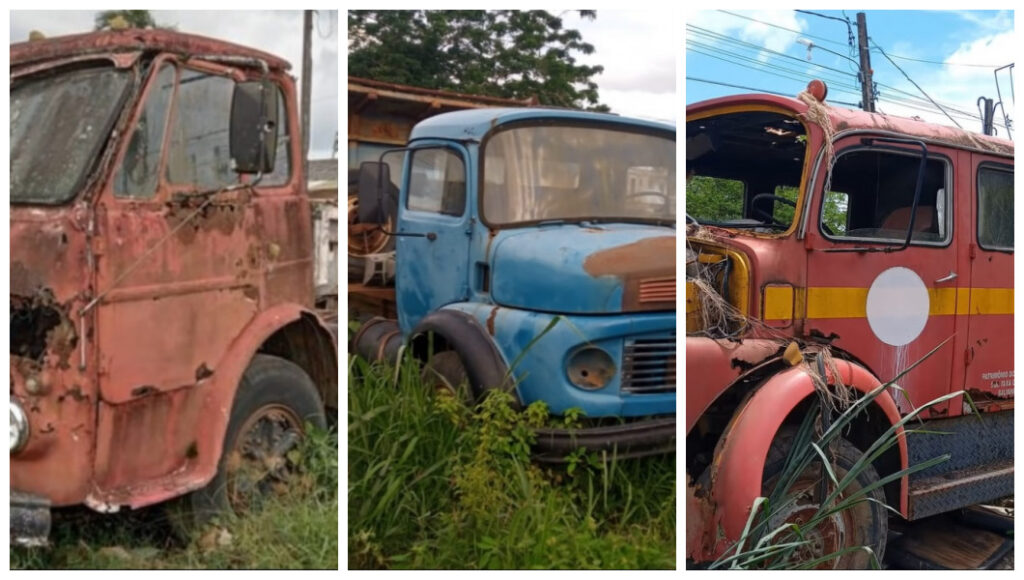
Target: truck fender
{"type": "Point", "coordinates": [223, 383]}
{"type": "Point", "coordinates": [461, 332]}
{"type": "Point", "coordinates": [743, 448]}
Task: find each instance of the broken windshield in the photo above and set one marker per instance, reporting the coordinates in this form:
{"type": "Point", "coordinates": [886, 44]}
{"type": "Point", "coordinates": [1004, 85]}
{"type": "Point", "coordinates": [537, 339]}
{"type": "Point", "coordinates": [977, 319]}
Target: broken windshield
{"type": "Point", "coordinates": [576, 173]}
{"type": "Point", "coordinates": [58, 126]}
{"type": "Point", "coordinates": [743, 170]}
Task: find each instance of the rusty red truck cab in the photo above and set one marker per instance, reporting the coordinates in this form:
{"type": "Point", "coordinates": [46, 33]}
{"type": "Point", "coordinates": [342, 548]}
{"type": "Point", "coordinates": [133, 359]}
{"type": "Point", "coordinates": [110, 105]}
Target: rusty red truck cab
{"type": "Point", "coordinates": [161, 273]}
{"type": "Point", "coordinates": [870, 237]}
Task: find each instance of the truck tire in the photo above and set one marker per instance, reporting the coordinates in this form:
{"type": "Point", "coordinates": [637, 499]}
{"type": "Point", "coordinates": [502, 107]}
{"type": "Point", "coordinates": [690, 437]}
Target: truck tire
{"type": "Point", "coordinates": [864, 524]}
{"type": "Point", "coordinates": [275, 401]}
{"type": "Point", "coordinates": [444, 371]}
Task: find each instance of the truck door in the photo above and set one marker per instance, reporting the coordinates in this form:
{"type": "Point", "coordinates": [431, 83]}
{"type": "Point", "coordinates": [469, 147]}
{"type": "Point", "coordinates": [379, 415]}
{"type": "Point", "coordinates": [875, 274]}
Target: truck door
{"type": "Point", "coordinates": [432, 250]}
{"type": "Point", "coordinates": [887, 306]}
{"type": "Point", "coordinates": [989, 351]}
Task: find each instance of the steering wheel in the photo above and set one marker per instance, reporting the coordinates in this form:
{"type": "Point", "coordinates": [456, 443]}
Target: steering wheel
{"type": "Point", "coordinates": [769, 218]}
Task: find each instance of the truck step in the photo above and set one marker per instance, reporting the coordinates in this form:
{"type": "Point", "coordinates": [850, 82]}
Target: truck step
{"type": "Point", "coordinates": [978, 538]}
{"type": "Point", "coordinates": [955, 489]}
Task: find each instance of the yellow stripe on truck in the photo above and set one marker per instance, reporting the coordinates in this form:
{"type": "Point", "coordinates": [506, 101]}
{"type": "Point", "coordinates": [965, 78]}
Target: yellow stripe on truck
{"type": "Point", "coordinates": [831, 302]}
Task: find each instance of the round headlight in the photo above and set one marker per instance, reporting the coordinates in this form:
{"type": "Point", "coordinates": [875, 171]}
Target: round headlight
{"type": "Point", "coordinates": [590, 368]}
{"type": "Point", "coordinates": [19, 427]}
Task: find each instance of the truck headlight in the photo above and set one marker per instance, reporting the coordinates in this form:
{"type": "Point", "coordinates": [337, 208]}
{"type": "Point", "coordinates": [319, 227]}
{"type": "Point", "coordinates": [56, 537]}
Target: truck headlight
{"type": "Point", "coordinates": [590, 368]}
{"type": "Point", "coordinates": [19, 427]}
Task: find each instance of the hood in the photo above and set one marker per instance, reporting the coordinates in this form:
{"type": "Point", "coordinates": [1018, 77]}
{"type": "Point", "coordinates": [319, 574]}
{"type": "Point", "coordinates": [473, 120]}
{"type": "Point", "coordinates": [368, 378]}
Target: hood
{"type": "Point", "coordinates": [570, 269]}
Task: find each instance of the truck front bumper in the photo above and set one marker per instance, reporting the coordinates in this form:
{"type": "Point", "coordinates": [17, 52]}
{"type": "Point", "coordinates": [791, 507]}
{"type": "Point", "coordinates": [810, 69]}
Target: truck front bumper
{"type": "Point", "coordinates": [30, 520]}
{"type": "Point", "coordinates": [641, 438]}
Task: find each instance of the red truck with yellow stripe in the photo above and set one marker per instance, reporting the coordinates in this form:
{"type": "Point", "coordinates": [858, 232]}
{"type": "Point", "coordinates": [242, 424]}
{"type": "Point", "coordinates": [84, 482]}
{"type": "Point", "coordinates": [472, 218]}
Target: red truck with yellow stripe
{"type": "Point", "coordinates": [872, 237]}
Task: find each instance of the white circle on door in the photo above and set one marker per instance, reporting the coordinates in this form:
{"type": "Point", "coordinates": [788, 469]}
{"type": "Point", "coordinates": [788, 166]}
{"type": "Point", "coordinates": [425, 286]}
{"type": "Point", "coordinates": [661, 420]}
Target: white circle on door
{"type": "Point", "coordinates": [898, 305]}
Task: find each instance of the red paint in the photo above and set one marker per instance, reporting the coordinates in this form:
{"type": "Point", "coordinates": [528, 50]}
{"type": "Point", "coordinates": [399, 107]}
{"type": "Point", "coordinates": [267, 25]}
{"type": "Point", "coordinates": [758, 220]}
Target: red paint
{"type": "Point", "coordinates": [980, 344]}
{"type": "Point", "coordinates": [139, 388]}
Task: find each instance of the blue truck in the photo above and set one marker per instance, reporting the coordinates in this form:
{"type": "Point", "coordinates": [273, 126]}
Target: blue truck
{"type": "Point", "coordinates": [535, 252]}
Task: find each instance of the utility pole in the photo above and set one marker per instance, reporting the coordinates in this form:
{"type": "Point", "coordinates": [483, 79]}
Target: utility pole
{"type": "Point", "coordinates": [307, 83]}
{"type": "Point", "coordinates": [866, 84]}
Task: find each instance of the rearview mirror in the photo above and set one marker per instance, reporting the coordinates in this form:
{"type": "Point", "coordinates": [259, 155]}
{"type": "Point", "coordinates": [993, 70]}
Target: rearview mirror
{"type": "Point", "coordinates": [372, 177]}
{"type": "Point", "coordinates": [253, 138]}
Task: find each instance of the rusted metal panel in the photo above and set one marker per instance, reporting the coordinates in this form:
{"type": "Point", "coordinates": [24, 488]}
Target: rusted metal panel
{"type": "Point", "coordinates": [135, 40]}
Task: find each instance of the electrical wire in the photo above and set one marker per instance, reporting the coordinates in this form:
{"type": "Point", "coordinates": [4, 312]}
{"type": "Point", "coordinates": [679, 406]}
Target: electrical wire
{"type": "Point", "coordinates": [797, 32]}
{"type": "Point", "coordinates": [942, 63]}
{"type": "Point", "coordinates": [913, 83]}
{"type": "Point", "coordinates": [722, 37]}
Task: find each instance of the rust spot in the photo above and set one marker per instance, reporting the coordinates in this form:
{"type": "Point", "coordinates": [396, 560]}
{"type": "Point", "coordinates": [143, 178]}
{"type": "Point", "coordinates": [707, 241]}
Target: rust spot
{"type": "Point", "coordinates": [251, 292]}
{"type": "Point", "coordinates": [48, 429]}
{"type": "Point", "coordinates": [143, 391]}
{"type": "Point", "coordinates": [819, 335]}
{"type": "Point", "coordinates": [75, 393]}
{"type": "Point", "coordinates": [192, 451]}
{"type": "Point", "coordinates": [40, 327]}
{"type": "Point", "coordinates": [647, 257]}
{"type": "Point", "coordinates": [490, 321]}
{"type": "Point", "coordinates": [203, 372]}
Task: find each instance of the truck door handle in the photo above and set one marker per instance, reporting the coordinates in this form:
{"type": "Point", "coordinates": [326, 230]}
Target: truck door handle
{"type": "Point", "coordinates": [947, 277]}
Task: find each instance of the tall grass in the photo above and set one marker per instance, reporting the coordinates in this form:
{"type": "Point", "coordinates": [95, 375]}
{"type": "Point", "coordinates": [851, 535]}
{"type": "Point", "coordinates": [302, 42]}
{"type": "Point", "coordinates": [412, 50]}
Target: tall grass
{"type": "Point", "coordinates": [763, 547]}
{"type": "Point", "coordinates": [294, 531]}
{"type": "Point", "coordinates": [435, 484]}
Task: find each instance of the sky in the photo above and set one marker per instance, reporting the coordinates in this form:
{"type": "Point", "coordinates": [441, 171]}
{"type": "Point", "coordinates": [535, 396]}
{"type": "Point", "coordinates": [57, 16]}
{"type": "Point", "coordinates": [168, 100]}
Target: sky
{"type": "Point", "coordinates": [276, 32]}
{"type": "Point", "coordinates": [950, 39]}
{"type": "Point", "coordinates": [632, 84]}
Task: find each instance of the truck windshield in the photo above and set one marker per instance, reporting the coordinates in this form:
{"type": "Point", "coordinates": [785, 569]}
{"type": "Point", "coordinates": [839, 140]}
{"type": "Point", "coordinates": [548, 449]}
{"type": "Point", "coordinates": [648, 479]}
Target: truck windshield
{"type": "Point", "coordinates": [574, 173]}
{"type": "Point", "coordinates": [59, 123]}
{"type": "Point", "coordinates": [743, 170]}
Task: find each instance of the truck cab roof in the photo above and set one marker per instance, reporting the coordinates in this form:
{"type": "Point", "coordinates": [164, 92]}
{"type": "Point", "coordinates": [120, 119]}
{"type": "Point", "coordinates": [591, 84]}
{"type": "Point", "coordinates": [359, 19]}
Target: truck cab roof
{"type": "Point", "coordinates": [474, 124]}
{"type": "Point", "coordinates": [134, 40]}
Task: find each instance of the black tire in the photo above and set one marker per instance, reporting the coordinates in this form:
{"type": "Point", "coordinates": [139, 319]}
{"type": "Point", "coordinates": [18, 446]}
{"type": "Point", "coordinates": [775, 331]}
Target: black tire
{"type": "Point", "coordinates": [268, 382]}
{"type": "Point", "coordinates": [864, 524]}
{"type": "Point", "coordinates": [444, 371]}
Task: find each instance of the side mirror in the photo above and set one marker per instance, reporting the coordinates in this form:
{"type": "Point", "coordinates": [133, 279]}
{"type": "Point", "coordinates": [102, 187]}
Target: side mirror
{"type": "Point", "coordinates": [372, 177]}
{"type": "Point", "coordinates": [253, 139]}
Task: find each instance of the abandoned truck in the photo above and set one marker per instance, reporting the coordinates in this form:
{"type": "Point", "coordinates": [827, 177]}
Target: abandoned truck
{"type": "Point", "coordinates": [861, 237]}
{"type": "Point", "coordinates": [163, 336]}
{"type": "Point", "coordinates": [535, 252]}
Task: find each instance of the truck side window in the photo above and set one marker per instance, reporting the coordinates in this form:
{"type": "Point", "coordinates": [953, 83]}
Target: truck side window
{"type": "Point", "coordinates": [437, 183]}
{"type": "Point", "coordinates": [137, 176]}
{"type": "Point", "coordinates": [995, 208]}
{"type": "Point", "coordinates": [878, 195]}
{"type": "Point", "coordinates": [199, 154]}
{"type": "Point", "coordinates": [282, 162]}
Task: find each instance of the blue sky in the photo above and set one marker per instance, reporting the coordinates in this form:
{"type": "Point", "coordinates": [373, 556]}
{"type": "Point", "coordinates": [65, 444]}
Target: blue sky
{"type": "Point", "coordinates": [950, 38]}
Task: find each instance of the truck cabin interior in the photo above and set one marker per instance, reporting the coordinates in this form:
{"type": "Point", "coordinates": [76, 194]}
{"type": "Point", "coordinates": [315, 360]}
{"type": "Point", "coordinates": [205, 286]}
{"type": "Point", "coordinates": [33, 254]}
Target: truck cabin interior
{"type": "Point", "coordinates": [743, 169]}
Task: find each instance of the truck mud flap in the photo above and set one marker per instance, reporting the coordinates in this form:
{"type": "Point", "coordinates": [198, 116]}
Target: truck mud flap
{"type": "Point", "coordinates": [30, 520]}
{"type": "Point", "coordinates": [636, 439]}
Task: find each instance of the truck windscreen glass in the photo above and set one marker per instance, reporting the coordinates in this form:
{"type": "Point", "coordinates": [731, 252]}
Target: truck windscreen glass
{"type": "Point", "coordinates": [557, 173]}
{"type": "Point", "coordinates": [58, 126]}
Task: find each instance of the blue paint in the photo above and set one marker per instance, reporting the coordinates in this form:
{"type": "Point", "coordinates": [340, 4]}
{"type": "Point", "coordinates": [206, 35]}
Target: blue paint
{"type": "Point", "coordinates": [535, 274]}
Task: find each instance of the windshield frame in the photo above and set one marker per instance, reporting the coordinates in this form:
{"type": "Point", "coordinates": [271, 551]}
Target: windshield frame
{"type": "Point", "coordinates": [101, 147]}
{"type": "Point", "coordinates": [666, 133]}
{"type": "Point", "coordinates": [813, 150]}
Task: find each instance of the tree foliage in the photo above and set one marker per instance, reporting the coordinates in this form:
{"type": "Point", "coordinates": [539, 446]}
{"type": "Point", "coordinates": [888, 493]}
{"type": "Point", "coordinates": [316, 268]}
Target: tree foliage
{"type": "Point", "coordinates": [501, 53]}
{"type": "Point", "coordinates": [710, 199]}
{"type": "Point", "coordinates": [119, 19]}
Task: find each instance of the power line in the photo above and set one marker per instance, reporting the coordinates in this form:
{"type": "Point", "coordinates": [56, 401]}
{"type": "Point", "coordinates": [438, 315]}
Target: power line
{"type": "Point", "coordinates": [915, 84]}
{"type": "Point", "coordinates": [719, 36]}
{"type": "Point", "coordinates": [769, 68]}
{"type": "Point", "coordinates": [943, 63]}
{"type": "Point", "coordinates": [812, 13]}
{"type": "Point", "coordinates": [797, 32]}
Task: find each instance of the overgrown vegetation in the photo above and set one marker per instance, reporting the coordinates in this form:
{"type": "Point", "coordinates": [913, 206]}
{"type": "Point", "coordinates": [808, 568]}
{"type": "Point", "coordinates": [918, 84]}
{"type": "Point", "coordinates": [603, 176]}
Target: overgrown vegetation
{"type": "Point", "coordinates": [436, 484]}
{"type": "Point", "coordinates": [296, 531]}
{"type": "Point", "coordinates": [768, 543]}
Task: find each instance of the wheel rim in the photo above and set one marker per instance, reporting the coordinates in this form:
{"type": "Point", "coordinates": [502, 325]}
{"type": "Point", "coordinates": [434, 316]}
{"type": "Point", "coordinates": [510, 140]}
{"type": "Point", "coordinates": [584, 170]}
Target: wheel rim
{"type": "Point", "coordinates": [258, 464]}
{"type": "Point", "coordinates": [828, 536]}
{"type": "Point", "coordinates": [364, 239]}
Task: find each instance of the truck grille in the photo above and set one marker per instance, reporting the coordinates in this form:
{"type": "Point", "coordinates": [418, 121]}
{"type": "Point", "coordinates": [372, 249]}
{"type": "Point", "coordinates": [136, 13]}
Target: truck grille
{"type": "Point", "coordinates": [649, 364]}
{"type": "Point", "coordinates": [657, 290]}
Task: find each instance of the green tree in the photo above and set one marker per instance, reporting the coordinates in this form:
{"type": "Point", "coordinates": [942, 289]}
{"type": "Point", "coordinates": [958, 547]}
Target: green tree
{"type": "Point", "coordinates": [501, 53]}
{"type": "Point", "coordinates": [117, 19]}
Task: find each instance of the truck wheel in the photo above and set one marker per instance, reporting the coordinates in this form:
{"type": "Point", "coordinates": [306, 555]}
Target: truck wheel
{"type": "Point", "coordinates": [444, 372]}
{"type": "Point", "coordinates": [864, 524]}
{"type": "Point", "coordinates": [275, 401]}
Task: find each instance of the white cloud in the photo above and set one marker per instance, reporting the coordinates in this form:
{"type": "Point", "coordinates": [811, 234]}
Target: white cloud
{"type": "Point", "coordinates": [754, 32]}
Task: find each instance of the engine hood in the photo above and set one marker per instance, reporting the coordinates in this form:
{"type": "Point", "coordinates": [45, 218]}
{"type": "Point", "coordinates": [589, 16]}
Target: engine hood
{"type": "Point", "coordinates": [570, 269]}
